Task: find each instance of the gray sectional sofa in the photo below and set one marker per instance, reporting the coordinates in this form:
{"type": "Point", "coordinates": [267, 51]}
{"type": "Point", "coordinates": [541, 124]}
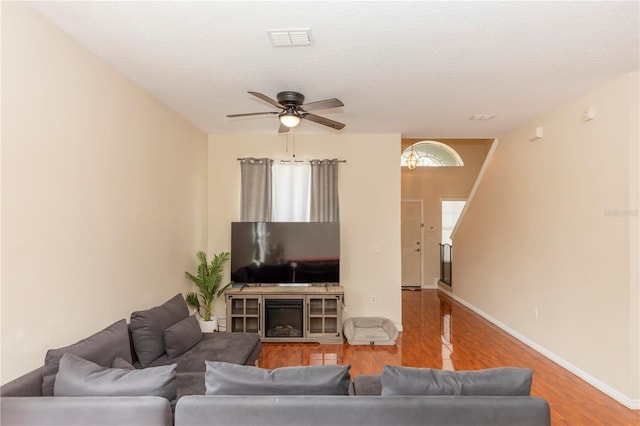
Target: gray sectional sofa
{"type": "Point", "coordinates": [159, 370]}
{"type": "Point", "coordinates": [318, 410]}
{"type": "Point", "coordinates": [163, 341]}
{"type": "Point", "coordinates": [400, 396]}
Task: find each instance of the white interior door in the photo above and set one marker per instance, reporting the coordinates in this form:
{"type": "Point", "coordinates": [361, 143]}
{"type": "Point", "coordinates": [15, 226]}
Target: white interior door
{"type": "Point", "coordinates": [411, 230]}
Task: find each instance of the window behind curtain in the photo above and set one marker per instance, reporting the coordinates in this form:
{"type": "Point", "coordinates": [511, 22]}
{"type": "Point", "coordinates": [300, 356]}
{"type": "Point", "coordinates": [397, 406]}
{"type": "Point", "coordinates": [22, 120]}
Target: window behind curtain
{"type": "Point", "coordinates": [291, 196]}
{"type": "Point", "coordinates": [291, 192]}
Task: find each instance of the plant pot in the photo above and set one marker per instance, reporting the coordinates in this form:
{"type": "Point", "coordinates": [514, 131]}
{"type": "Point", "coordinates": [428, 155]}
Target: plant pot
{"type": "Point", "coordinates": [208, 326]}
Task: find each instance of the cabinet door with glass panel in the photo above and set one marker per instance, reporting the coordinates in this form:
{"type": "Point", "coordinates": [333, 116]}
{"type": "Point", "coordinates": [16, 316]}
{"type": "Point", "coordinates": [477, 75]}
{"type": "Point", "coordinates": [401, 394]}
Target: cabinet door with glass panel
{"type": "Point", "coordinates": [324, 315]}
{"type": "Point", "coordinates": [243, 313]}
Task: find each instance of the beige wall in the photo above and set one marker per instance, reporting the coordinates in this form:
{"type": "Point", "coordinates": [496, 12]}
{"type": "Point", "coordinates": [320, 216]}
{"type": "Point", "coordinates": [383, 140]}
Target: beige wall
{"type": "Point", "coordinates": [553, 229]}
{"type": "Point", "coordinates": [103, 193]}
{"type": "Point", "coordinates": [369, 187]}
{"type": "Point", "coordinates": [634, 238]}
{"type": "Point", "coordinates": [433, 184]}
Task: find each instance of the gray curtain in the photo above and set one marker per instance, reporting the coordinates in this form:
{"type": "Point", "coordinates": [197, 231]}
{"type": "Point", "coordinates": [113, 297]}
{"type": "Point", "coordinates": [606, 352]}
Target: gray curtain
{"type": "Point", "coordinates": [255, 203]}
{"type": "Point", "coordinates": [324, 191]}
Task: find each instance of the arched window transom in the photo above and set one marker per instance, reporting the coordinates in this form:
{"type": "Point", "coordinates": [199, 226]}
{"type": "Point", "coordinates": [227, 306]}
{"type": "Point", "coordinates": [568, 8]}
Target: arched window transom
{"type": "Point", "coordinates": [430, 154]}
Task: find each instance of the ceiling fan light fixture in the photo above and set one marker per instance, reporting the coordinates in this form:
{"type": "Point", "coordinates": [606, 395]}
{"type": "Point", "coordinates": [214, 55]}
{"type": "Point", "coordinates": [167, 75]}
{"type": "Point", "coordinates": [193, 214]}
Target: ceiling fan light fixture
{"type": "Point", "coordinates": [293, 110]}
{"type": "Point", "coordinates": [289, 118]}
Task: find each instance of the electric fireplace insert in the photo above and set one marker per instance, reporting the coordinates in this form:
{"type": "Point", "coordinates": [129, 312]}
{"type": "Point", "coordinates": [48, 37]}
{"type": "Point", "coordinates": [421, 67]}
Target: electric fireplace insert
{"type": "Point", "coordinates": [283, 317]}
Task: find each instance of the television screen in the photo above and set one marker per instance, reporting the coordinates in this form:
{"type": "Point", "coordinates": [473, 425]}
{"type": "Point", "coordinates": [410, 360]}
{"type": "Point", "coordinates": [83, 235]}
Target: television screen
{"type": "Point", "coordinates": [285, 252]}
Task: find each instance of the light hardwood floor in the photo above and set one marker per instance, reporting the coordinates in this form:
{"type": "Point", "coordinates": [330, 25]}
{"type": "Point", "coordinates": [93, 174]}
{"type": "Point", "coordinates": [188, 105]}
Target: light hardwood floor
{"type": "Point", "coordinates": [441, 333]}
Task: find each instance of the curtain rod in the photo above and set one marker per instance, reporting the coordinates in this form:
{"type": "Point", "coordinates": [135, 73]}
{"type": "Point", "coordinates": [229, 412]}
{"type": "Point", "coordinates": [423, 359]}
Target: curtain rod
{"type": "Point", "coordinates": [295, 161]}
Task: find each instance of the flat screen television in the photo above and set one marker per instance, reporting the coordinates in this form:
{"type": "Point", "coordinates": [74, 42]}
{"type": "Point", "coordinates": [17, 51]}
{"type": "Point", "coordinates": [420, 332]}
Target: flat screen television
{"type": "Point", "coordinates": [285, 252]}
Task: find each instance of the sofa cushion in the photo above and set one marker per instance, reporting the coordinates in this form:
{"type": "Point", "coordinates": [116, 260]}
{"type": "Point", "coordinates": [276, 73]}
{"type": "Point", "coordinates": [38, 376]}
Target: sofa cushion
{"type": "Point", "coordinates": [230, 379]}
{"type": "Point", "coordinates": [79, 377]}
{"type": "Point", "coordinates": [190, 384]}
{"type": "Point", "coordinates": [182, 336]}
{"type": "Point", "coordinates": [102, 348]}
{"type": "Point", "coordinates": [297, 410]}
{"type": "Point", "coordinates": [504, 381]}
{"type": "Point", "coordinates": [235, 348]}
{"type": "Point", "coordinates": [29, 384]}
{"type": "Point", "coordinates": [122, 363]}
{"type": "Point", "coordinates": [147, 327]}
{"type": "Point", "coordinates": [367, 384]}
{"type": "Point", "coordinates": [85, 411]}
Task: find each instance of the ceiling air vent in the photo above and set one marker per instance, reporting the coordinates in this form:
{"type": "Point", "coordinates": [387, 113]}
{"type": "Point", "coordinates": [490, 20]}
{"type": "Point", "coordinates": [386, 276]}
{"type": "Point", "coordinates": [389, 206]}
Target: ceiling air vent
{"type": "Point", "coordinates": [290, 38]}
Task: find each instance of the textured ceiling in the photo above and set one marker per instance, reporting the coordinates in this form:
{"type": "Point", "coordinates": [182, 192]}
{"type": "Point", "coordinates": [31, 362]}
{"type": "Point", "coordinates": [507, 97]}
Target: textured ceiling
{"type": "Point", "coordinates": [416, 68]}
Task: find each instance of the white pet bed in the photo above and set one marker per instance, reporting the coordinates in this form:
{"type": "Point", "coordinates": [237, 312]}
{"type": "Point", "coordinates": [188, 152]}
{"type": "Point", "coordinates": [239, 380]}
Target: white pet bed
{"type": "Point", "coordinates": [370, 331]}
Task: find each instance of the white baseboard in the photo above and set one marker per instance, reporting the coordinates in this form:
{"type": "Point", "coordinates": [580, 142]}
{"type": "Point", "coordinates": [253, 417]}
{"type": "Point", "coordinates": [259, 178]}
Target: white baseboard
{"type": "Point", "coordinates": [633, 404]}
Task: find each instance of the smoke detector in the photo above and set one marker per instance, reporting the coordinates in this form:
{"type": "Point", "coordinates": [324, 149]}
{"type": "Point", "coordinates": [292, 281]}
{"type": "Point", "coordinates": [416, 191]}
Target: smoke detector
{"type": "Point", "coordinates": [290, 38]}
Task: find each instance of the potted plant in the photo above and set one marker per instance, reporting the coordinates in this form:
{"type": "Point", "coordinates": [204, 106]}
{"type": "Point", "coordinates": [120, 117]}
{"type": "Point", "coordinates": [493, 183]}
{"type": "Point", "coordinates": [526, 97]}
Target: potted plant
{"type": "Point", "coordinates": [209, 283]}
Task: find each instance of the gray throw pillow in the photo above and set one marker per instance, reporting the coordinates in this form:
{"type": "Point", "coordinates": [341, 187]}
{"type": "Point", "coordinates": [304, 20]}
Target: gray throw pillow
{"type": "Point", "coordinates": [222, 378]}
{"type": "Point", "coordinates": [182, 336]}
{"type": "Point", "coordinates": [101, 348]}
{"type": "Point", "coordinates": [79, 377]}
{"type": "Point", "coordinates": [503, 381]}
{"type": "Point", "coordinates": [147, 327]}
{"type": "Point", "coordinates": [122, 363]}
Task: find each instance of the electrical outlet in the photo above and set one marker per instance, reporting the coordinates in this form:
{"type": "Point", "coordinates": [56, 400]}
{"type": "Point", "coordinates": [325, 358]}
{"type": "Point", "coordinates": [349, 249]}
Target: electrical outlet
{"type": "Point", "coordinates": [373, 299]}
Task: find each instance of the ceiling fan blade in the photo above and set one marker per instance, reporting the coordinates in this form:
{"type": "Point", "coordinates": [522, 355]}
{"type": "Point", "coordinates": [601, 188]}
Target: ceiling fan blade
{"type": "Point", "coordinates": [324, 121]}
{"type": "Point", "coordinates": [327, 103]}
{"type": "Point", "coordinates": [283, 129]}
{"type": "Point", "coordinates": [251, 113]}
{"type": "Point", "coordinates": [268, 99]}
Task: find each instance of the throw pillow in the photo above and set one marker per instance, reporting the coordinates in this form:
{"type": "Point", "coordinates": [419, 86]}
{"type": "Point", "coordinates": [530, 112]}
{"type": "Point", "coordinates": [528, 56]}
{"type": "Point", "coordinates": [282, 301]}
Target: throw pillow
{"type": "Point", "coordinates": [222, 378]}
{"type": "Point", "coordinates": [79, 377]}
{"type": "Point", "coordinates": [102, 348]}
{"type": "Point", "coordinates": [122, 363]}
{"type": "Point", "coordinates": [182, 336]}
{"type": "Point", "coordinates": [147, 327]}
{"type": "Point", "coordinates": [504, 381]}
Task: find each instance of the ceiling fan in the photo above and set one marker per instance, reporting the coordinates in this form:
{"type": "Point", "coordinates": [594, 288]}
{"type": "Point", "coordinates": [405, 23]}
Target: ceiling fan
{"type": "Point", "coordinates": [293, 110]}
